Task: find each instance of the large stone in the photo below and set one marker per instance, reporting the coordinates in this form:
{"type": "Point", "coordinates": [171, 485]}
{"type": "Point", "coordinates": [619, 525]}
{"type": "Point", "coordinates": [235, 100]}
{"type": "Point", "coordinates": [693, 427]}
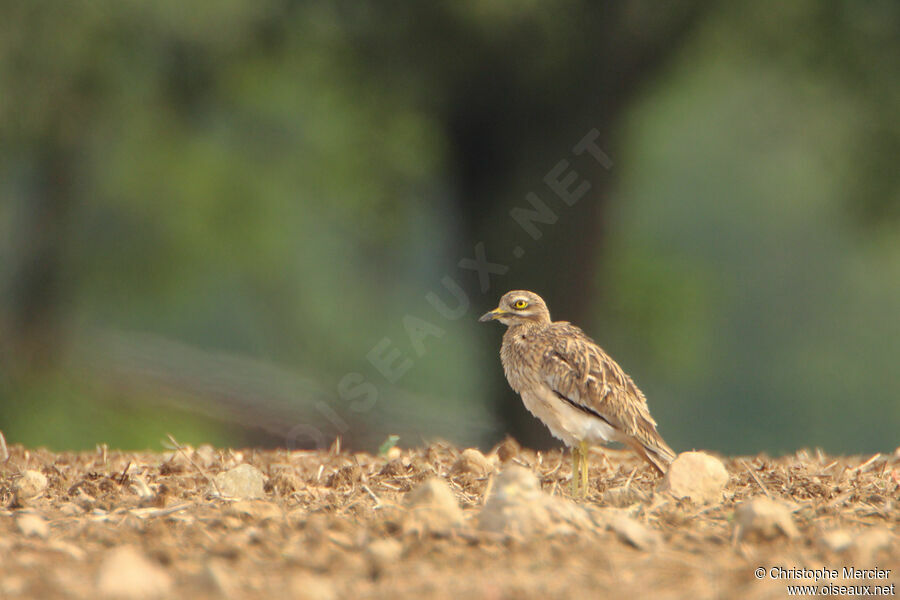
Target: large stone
{"type": "Point", "coordinates": [697, 476]}
{"type": "Point", "coordinates": [243, 481]}
{"type": "Point", "coordinates": [433, 507]}
{"type": "Point", "coordinates": [518, 506]}
{"type": "Point", "coordinates": [126, 573]}
{"type": "Point", "coordinates": [764, 519]}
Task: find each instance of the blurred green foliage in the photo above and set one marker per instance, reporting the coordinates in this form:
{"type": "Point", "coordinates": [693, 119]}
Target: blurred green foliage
{"type": "Point", "coordinates": [211, 213]}
{"type": "Point", "coordinates": [772, 311]}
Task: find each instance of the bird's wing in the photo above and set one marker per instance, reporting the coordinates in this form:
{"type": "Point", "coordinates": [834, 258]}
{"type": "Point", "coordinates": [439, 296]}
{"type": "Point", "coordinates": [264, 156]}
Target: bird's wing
{"type": "Point", "coordinates": [580, 372]}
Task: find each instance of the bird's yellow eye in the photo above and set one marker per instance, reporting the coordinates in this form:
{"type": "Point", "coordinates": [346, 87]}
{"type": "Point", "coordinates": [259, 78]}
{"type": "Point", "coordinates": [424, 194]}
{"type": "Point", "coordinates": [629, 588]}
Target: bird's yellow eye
{"type": "Point", "coordinates": [520, 304]}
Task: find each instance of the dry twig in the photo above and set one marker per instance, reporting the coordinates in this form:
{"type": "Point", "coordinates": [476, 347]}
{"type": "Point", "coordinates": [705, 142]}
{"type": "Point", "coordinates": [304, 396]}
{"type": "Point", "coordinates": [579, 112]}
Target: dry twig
{"type": "Point", "coordinates": [756, 479]}
{"type": "Point", "coordinates": [193, 464]}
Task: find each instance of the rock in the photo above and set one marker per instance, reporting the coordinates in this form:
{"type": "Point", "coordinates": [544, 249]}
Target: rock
{"type": "Point", "coordinates": [33, 526]}
{"type": "Point", "coordinates": [697, 476]}
{"type": "Point", "coordinates": [127, 573]}
{"type": "Point", "coordinates": [762, 518]}
{"type": "Point", "coordinates": [433, 507]}
{"type": "Point", "coordinates": [243, 481]}
{"type": "Point", "coordinates": [631, 531]}
{"type": "Point", "coordinates": [30, 485]}
{"type": "Point", "coordinates": [471, 460]}
{"type": "Point", "coordinates": [383, 553]}
{"type": "Point", "coordinates": [518, 506]}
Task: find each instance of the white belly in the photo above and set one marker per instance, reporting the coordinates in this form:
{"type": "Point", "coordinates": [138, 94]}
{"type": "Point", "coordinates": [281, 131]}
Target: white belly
{"type": "Point", "coordinates": [567, 423]}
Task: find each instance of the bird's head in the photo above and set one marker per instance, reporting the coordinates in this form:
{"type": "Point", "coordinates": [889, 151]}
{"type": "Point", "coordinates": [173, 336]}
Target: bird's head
{"type": "Point", "coordinates": [519, 307]}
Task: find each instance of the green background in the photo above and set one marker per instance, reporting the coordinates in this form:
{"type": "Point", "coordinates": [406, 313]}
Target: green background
{"type": "Point", "coordinates": [211, 214]}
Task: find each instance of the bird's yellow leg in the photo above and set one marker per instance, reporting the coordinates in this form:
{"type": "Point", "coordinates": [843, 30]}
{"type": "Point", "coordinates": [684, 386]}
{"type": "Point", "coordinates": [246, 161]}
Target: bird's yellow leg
{"type": "Point", "coordinates": [585, 470]}
{"type": "Point", "coordinates": [576, 465]}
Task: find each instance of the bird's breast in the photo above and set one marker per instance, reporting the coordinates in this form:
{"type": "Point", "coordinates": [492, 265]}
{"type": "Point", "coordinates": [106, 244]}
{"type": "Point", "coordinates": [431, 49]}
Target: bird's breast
{"type": "Point", "coordinates": [520, 355]}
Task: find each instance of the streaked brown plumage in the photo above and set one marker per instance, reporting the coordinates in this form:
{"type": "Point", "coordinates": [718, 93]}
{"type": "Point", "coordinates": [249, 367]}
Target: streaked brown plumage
{"type": "Point", "coordinates": [568, 382]}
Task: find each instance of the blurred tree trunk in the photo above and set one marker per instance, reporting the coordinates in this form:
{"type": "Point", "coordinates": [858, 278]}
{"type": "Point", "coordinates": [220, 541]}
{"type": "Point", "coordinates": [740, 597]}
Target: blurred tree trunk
{"type": "Point", "coordinates": [506, 128]}
{"type": "Point", "coordinates": [36, 288]}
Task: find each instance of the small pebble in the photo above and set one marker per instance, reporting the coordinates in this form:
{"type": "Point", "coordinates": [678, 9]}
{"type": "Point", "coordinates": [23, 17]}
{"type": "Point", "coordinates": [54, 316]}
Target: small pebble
{"type": "Point", "coordinates": [30, 485]}
{"type": "Point", "coordinates": [243, 481]}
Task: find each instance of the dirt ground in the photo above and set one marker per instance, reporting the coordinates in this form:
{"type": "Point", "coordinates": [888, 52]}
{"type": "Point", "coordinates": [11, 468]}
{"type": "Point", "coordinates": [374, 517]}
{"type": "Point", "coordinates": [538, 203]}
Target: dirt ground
{"type": "Point", "coordinates": [335, 525]}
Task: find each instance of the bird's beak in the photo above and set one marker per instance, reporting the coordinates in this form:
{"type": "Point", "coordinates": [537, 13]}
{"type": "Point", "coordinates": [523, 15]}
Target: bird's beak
{"type": "Point", "coordinates": [492, 315]}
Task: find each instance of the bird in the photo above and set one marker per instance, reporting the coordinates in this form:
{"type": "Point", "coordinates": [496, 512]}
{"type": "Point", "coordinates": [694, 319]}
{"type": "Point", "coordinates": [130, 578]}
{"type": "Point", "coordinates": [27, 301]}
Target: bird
{"type": "Point", "coordinates": [575, 388]}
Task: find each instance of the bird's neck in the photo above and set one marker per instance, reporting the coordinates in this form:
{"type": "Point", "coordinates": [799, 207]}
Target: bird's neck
{"type": "Point", "coordinates": [525, 327]}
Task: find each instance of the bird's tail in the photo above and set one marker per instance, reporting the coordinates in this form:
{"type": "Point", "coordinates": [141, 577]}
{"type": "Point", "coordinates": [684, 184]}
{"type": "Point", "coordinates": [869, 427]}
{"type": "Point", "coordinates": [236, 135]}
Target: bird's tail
{"type": "Point", "coordinates": [656, 452]}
